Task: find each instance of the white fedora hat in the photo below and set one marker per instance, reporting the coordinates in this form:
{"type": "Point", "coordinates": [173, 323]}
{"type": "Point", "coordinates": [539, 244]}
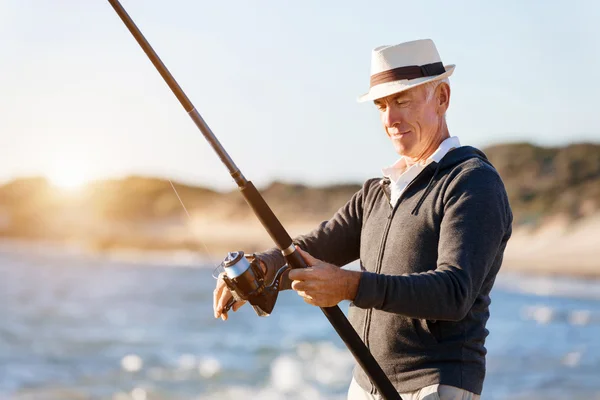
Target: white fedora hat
{"type": "Point", "coordinates": [397, 68]}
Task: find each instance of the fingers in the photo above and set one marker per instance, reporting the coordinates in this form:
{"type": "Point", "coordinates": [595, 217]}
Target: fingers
{"type": "Point", "coordinates": [300, 274]}
{"type": "Point", "coordinates": [300, 285]}
{"type": "Point", "coordinates": [310, 260]}
{"type": "Point", "coordinates": [217, 295]}
{"type": "Point", "coordinates": [310, 300]}
{"type": "Point", "coordinates": [221, 296]}
{"type": "Point", "coordinates": [307, 298]}
{"type": "Point", "coordinates": [222, 302]}
{"type": "Point", "coordinates": [237, 305]}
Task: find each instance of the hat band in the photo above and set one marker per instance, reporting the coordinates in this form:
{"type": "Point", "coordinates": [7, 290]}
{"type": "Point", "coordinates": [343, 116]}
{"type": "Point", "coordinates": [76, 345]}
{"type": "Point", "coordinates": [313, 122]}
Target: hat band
{"type": "Point", "coordinates": [409, 72]}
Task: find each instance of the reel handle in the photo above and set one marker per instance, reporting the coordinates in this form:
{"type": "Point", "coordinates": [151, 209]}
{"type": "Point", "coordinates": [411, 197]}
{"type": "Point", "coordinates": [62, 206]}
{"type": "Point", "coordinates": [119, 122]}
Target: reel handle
{"type": "Point", "coordinates": [245, 279]}
{"type": "Point", "coordinates": [262, 297]}
{"type": "Point", "coordinates": [228, 306]}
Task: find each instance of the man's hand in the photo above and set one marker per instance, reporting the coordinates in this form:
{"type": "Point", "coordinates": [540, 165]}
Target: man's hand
{"type": "Point", "coordinates": [221, 296]}
{"type": "Point", "coordinates": [323, 284]}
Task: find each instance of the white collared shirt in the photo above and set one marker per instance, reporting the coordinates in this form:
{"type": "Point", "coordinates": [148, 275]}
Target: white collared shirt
{"type": "Point", "coordinates": [401, 175]}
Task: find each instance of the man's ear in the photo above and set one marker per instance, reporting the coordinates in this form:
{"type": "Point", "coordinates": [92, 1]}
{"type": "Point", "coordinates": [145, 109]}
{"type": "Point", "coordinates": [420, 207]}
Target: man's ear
{"type": "Point", "coordinates": [443, 97]}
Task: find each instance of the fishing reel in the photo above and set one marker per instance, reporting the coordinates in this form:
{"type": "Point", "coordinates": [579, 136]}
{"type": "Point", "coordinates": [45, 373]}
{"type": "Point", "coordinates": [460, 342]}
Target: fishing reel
{"type": "Point", "coordinates": [246, 280]}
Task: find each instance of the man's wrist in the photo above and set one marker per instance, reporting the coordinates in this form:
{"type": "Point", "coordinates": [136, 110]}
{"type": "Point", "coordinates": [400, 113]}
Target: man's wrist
{"type": "Point", "coordinates": [351, 281]}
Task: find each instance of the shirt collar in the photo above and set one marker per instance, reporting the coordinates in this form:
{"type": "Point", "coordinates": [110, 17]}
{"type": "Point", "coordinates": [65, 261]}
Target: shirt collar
{"type": "Point", "coordinates": [400, 166]}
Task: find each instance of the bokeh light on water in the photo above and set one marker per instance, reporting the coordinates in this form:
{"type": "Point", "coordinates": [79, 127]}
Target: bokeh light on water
{"type": "Point", "coordinates": [80, 327]}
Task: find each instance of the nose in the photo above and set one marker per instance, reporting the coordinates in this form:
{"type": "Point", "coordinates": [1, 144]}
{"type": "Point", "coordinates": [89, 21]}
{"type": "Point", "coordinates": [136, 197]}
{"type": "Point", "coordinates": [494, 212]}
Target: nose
{"type": "Point", "coordinates": [390, 117]}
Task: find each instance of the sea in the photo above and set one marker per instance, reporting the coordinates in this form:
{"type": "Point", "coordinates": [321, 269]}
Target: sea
{"type": "Point", "coordinates": [141, 327]}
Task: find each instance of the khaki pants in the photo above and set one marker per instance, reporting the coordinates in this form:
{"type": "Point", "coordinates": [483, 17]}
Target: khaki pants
{"type": "Point", "coordinates": [433, 392]}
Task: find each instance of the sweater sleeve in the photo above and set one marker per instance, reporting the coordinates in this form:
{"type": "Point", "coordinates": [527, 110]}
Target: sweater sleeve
{"type": "Point", "coordinates": [475, 224]}
{"type": "Point", "coordinates": [335, 241]}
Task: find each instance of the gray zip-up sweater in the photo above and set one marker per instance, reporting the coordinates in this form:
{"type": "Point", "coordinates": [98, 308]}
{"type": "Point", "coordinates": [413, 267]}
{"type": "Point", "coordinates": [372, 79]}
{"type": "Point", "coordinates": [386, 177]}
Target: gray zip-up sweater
{"type": "Point", "coordinates": [428, 265]}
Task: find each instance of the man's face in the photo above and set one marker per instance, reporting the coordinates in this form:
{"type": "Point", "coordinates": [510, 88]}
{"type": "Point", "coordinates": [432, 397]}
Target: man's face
{"type": "Point", "coordinates": [413, 122]}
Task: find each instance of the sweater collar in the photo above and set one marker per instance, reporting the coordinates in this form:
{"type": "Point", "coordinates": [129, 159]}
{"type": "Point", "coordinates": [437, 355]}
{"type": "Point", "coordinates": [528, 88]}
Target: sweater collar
{"type": "Point", "coordinates": [395, 171]}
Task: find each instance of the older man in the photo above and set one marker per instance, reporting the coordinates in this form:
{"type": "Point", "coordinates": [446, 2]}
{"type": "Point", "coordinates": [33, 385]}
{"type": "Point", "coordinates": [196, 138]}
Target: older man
{"type": "Point", "coordinates": [430, 237]}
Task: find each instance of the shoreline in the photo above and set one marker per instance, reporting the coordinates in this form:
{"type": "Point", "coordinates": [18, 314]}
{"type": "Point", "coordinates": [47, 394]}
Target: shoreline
{"type": "Point", "coordinates": [558, 248]}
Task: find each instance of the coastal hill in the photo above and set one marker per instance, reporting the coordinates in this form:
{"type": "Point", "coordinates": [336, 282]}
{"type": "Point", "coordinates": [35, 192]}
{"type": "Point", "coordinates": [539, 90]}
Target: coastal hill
{"type": "Point", "coordinates": [547, 186]}
{"type": "Point", "coordinates": [546, 182]}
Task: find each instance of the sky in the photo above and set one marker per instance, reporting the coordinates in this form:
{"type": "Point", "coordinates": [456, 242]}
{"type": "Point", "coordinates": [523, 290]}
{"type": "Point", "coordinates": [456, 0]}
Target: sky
{"type": "Point", "coordinates": [277, 83]}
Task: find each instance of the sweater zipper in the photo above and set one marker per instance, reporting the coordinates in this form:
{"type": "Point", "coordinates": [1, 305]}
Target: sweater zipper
{"type": "Point", "coordinates": [368, 313]}
{"type": "Point", "coordinates": [380, 260]}
{"type": "Point", "coordinates": [378, 267]}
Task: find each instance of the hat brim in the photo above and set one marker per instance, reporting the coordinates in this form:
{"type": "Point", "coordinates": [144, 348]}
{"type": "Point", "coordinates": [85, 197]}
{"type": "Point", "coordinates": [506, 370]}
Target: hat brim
{"type": "Point", "coordinates": [390, 88]}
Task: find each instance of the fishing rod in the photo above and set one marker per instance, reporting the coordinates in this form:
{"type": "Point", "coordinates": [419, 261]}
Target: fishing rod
{"type": "Point", "coordinates": [246, 277]}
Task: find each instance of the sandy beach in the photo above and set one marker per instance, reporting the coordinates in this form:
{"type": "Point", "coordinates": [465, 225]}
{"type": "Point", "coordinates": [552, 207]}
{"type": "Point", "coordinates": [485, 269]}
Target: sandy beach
{"type": "Point", "coordinates": [558, 248]}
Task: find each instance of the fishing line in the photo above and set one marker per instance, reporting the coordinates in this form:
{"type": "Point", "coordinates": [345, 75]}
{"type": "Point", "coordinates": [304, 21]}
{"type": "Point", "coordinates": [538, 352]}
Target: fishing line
{"type": "Point", "coordinates": [208, 253]}
{"type": "Point", "coordinates": [249, 282]}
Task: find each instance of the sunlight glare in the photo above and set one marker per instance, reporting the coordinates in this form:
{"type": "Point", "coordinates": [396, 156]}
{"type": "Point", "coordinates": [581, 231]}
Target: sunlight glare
{"type": "Point", "coordinates": [69, 178]}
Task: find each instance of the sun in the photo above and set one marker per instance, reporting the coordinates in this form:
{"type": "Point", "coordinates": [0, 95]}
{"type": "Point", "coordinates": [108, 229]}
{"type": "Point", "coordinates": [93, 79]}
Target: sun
{"type": "Point", "coordinates": [69, 179]}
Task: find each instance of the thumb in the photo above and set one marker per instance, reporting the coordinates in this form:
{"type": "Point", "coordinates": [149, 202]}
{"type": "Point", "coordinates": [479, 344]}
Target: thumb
{"type": "Point", "coordinates": [310, 260]}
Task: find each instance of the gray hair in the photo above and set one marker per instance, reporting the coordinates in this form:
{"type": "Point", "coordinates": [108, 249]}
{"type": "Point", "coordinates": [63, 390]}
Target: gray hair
{"type": "Point", "coordinates": [431, 86]}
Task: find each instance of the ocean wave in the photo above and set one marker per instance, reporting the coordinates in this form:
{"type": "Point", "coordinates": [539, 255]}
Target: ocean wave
{"type": "Point", "coordinates": [554, 286]}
